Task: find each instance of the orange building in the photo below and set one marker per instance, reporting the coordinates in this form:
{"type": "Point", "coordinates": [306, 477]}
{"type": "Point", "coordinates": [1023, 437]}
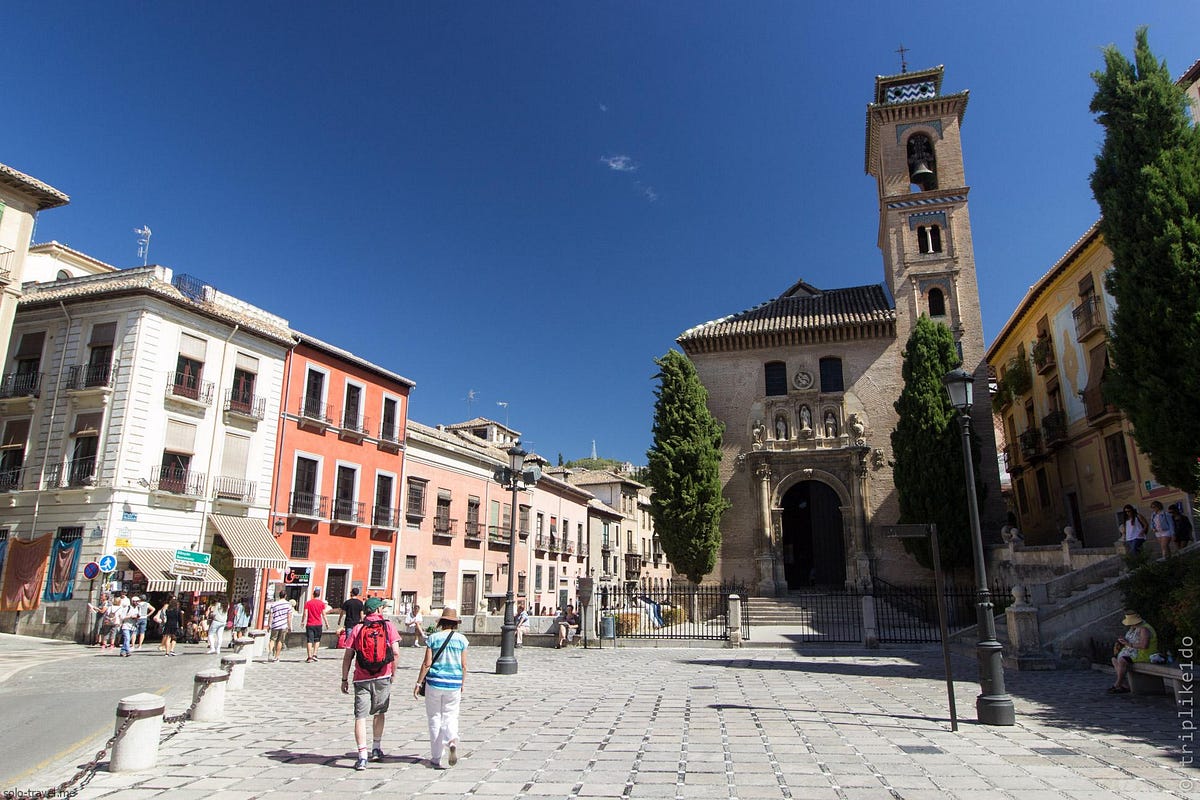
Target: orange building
{"type": "Point", "coordinates": [339, 462]}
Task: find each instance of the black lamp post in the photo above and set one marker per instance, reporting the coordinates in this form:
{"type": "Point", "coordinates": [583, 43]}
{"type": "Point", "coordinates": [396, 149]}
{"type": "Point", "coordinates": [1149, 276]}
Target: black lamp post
{"type": "Point", "coordinates": [993, 706]}
{"type": "Point", "coordinates": [511, 478]}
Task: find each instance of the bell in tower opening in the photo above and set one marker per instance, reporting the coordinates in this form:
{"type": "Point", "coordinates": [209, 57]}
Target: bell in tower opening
{"type": "Point", "coordinates": [922, 164]}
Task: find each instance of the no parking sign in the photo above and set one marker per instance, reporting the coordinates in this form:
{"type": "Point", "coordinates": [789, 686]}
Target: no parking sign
{"type": "Point", "coordinates": [91, 570]}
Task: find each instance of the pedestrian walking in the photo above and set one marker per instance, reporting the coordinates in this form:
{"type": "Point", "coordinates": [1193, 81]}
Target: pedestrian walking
{"type": "Point", "coordinates": [1133, 528]}
{"type": "Point", "coordinates": [145, 611]}
{"type": "Point", "coordinates": [218, 617]}
{"type": "Point", "coordinates": [128, 614]}
{"type": "Point", "coordinates": [351, 614]}
{"type": "Point", "coordinates": [241, 617]}
{"type": "Point", "coordinates": [1183, 528]}
{"type": "Point", "coordinates": [373, 648]}
{"type": "Point", "coordinates": [314, 624]}
{"type": "Point", "coordinates": [1163, 527]}
{"type": "Point", "coordinates": [441, 677]}
{"type": "Point", "coordinates": [172, 624]}
{"type": "Point", "coordinates": [279, 614]}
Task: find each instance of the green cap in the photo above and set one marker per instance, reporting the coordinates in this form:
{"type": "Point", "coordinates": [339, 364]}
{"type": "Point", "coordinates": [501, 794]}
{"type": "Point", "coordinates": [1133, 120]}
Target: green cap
{"type": "Point", "coordinates": [373, 604]}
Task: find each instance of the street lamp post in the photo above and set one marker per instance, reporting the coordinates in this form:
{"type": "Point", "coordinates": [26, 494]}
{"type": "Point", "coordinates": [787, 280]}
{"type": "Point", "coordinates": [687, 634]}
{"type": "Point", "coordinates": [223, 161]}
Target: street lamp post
{"type": "Point", "coordinates": [511, 478]}
{"type": "Point", "coordinates": [994, 706]}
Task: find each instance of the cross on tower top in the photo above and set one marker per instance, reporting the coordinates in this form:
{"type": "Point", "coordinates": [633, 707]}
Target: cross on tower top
{"type": "Point", "coordinates": [903, 63]}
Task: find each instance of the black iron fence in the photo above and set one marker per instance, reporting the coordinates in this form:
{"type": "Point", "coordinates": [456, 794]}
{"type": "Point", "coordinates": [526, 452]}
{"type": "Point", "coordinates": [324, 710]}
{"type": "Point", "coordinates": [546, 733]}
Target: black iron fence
{"type": "Point", "coordinates": [910, 613]}
{"type": "Point", "coordinates": [676, 612]}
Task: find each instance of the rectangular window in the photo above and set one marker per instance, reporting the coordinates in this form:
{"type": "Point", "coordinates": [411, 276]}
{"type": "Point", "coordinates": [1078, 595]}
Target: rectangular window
{"type": "Point", "coordinates": [314, 395]}
{"type": "Point", "coordinates": [416, 498]}
{"type": "Point", "coordinates": [523, 520]}
{"type": "Point", "coordinates": [442, 514]}
{"type": "Point", "coordinates": [776, 378]}
{"type": "Point", "coordinates": [1118, 458]}
{"type": "Point", "coordinates": [521, 583]}
{"type": "Point", "coordinates": [439, 590]}
{"type": "Point", "coordinates": [299, 546]}
{"type": "Point", "coordinates": [472, 516]}
{"type": "Point", "coordinates": [1043, 487]}
{"type": "Point", "coordinates": [352, 413]}
{"type": "Point", "coordinates": [383, 500]}
{"type": "Point", "coordinates": [410, 562]}
{"type": "Point", "coordinates": [241, 396]}
{"type": "Point", "coordinates": [537, 577]}
{"type": "Point", "coordinates": [541, 524]}
{"type": "Point", "coordinates": [551, 583]}
{"type": "Point", "coordinates": [12, 453]}
{"type": "Point", "coordinates": [580, 550]}
{"type": "Point", "coordinates": [379, 564]}
{"type": "Point", "coordinates": [388, 429]}
{"type": "Point", "coordinates": [345, 499]}
{"type": "Point", "coordinates": [487, 583]}
{"type": "Point", "coordinates": [831, 375]}
{"type": "Point", "coordinates": [553, 526]}
{"type": "Point", "coordinates": [506, 519]}
{"type": "Point", "coordinates": [100, 349]}
{"type": "Point", "coordinates": [189, 366]}
{"type": "Point", "coordinates": [1022, 500]}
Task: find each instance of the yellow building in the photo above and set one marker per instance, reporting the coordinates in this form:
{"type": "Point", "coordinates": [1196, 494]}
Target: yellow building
{"type": "Point", "coordinates": [1071, 456]}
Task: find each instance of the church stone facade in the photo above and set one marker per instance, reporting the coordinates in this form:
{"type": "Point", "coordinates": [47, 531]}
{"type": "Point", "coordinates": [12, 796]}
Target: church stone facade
{"type": "Point", "coordinates": [805, 383]}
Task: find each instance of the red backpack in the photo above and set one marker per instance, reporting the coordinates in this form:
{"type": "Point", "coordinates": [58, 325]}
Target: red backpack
{"type": "Point", "coordinates": [372, 650]}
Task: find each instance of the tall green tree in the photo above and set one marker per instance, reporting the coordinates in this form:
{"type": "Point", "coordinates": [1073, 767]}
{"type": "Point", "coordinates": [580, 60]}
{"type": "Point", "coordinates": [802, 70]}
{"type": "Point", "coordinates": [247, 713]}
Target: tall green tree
{"type": "Point", "coordinates": [1147, 182]}
{"type": "Point", "coordinates": [687, 503]}
{"type": "Point", "coordinates": [927, 445]}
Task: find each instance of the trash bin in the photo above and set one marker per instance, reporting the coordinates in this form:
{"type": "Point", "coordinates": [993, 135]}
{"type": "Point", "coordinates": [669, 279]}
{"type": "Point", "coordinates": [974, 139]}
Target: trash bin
{"type": "Point", "coordinates": [608, 627]}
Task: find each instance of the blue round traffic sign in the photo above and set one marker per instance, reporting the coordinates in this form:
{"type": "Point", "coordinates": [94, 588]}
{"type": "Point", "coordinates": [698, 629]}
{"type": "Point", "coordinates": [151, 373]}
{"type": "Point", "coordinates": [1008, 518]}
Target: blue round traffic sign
{"type": "Point", "coordinates": [108, 563]}
{"type": "Point", "coordinates": [91, 570]}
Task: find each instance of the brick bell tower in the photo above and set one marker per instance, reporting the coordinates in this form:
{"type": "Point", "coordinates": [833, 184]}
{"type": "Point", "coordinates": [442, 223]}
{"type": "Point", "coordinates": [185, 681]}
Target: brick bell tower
{"type": "Point", "coordinates": [914, 152]}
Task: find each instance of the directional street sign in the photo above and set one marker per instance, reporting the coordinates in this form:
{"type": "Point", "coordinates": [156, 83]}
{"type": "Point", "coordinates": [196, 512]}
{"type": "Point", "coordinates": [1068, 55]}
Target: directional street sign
{"type": "Point", "coordinates": [190, 563]}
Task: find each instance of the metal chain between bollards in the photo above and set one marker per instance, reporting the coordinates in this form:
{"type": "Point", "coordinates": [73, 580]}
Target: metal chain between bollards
{"type": "Point", "coordinates": [76, 783]}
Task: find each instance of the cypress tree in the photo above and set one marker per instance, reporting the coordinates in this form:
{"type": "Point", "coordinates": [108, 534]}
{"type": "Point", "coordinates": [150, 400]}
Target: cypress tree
{"type": "Point", "coordinates": [687, 503]}
{"type": "Point", "coordinates": [1147, 182]}
{"type": "Point", "coordinates": [927, 444]}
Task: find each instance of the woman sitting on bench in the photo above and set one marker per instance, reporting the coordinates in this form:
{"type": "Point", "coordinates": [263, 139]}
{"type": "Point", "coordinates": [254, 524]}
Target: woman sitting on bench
{"type": "Point", "coordinates": [568, 625]}
{"type": "Point", "coordinates": [1137, 645]}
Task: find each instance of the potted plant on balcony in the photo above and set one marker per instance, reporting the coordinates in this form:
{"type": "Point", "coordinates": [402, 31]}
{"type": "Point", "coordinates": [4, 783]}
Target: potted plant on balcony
{"type": "Point", "coordinates": [1043, 352]}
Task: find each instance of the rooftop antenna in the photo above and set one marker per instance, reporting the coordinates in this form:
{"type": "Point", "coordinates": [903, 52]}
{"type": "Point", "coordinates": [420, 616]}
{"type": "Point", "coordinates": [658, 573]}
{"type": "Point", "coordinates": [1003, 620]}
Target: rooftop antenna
{"type": "Point", "coordinates": [143, 243]}
{"type": "Point", "coordinates": [593, 449]}
{"type": "Point", "coordinates": [903, 63]}
{"type": "Point", "coordinates": [505, 404]}
{"type": "Point", "coordinates": [471, 397]}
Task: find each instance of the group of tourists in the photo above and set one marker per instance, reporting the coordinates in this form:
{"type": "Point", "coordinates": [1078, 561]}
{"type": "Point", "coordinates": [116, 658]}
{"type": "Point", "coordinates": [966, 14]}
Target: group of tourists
{"type": "Point", "coordinates": [1170, 528]}
{"type": "Point", "coordinates": [128, 618]}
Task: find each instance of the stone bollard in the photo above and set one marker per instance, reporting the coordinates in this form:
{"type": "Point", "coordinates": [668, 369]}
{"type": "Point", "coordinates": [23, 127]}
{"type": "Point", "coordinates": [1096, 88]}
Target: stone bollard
{"type": "Point", "coordinates": [734, 632]}
{"type": "Point", "coordinates": [236, 665]}
{"type": "Point", "coordinates": [244, 646]}
{"type": "Point", "coordinates": [211, 706]}
{"type": "Point", "coordinates": [137, 749]}
{"type": "Point", "coordinates": [870, 622]}
{"type": "Point", "coordinates": [260, 644]}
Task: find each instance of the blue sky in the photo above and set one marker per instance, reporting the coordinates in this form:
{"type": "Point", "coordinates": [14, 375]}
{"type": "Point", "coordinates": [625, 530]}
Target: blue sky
{"type": "Point", "coordinates": [529, 202]}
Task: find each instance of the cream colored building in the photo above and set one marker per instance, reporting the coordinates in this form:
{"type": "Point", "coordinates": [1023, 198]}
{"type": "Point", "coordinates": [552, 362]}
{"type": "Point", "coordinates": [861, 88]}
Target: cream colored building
{"type": "Point", "coordinates": [805, 383]}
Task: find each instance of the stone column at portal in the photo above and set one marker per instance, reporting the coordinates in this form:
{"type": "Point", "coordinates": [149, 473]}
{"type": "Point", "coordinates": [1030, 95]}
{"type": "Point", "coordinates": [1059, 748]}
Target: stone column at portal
{"type": "Point", "coordinates": [766, 544]}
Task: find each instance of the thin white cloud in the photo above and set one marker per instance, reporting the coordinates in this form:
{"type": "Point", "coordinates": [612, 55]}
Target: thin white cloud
{"type": "Point", "coordinates": [603, 107]}
{"type": "Point", "coordinates": [646, 191]}
{"type": "Point", "coordinates": [619, 163]}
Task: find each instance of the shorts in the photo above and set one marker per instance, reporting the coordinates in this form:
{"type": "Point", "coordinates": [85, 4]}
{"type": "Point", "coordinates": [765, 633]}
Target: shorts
{"type": "Point", "coordinates": [141, 627]}
{"type": "Point", "coordinates": [1127, 653]}
{"type": "Point", "coordinates": [312, 633]}
{"type": "Point", "coordinates": [279, 635]}
{"type": "Point", "coordinates": [372, 697]}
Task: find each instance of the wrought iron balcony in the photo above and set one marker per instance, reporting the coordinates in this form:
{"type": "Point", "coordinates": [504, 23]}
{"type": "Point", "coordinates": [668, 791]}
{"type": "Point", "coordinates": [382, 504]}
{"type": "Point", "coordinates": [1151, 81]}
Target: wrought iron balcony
{"type": "Point", "coordinates": [13, 479]}
{"type": "Point", "coordinates": [385, 517]}
{"type": "Point", "coordinates": [1043, 355]}
{"type": "Point", "coordinates": [540, 541]}
{"type": "Point", "coordinates": [1054, 427]}
{"type": "Point", "coordinates": [89, 376]}
{"type": "Point", "coordinates": [6, 264]}
{"type": "Point", "coordinates": [21, 384]}
{"type": "Point", "coordinates": [313, 411]}
{"type": "Point", "coordinates": [308, 504]}
{"type": "Point", "coordinates": [444, 526]}
{"type": "Point", "coordinates": [605, 547]}
{"type": "Point", "coordinates": [498, 535]}
{"type": "Point", "coordinates": [189, 387]}
{"type": "Point", "coordinates": [1031, 443]}
{"type": "Point", "coordinates": [355, 424]}
{"type": "Point", "coordinates": [473, 530]}
{"type": "Point", "coordinates": [1087, 317]}
{"type": "Point", "coordinates": [1010, 458]}
{"type": "Point", "coordinates": [175, 480]}
{"type": "Point", "coordinates": [226, 487]}
{"type": "Point", "coordinates": [348, 511]}
{"type": "Point", "coordinates": [555, 543]}
{"type": "Point", "coordinates": [568, 546]}
{"type": "Point", "coordinates": [245, 404]}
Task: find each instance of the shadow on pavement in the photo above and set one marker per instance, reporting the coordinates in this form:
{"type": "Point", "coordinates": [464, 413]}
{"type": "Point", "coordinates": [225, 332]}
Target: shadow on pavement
{"type": "Point", "coordinates": [345, 760]}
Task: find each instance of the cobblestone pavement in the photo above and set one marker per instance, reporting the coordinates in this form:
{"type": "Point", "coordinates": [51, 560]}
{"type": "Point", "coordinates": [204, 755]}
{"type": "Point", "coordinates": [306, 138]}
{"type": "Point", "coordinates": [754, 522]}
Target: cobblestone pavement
{"type": "Point", "coordinates": [682, 723]}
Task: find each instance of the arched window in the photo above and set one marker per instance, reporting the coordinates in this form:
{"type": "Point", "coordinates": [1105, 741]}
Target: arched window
{"type": "Point", "coordinates": [922, 163]}
{"type": "Point", "coordinates": [776, 372]}
{"type": "Point", "coordinates": [937, 303]}
{"type": "Point", "coordinates": [929, 238]}
{"type": "Point", "coordinates": [62, 275]}
{"type": "Point", "coordinates": [831, 375]}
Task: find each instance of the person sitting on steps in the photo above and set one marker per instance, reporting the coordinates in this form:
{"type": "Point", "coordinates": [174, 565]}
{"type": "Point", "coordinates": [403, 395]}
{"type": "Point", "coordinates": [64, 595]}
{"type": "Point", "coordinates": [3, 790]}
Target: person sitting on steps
{"type": "Point", "coordinates": [568, 624]}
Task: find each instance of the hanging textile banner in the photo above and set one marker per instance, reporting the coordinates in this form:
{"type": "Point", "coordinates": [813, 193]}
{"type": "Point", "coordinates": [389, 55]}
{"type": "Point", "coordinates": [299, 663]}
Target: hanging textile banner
{"type": "Point", "coordinates": [64, 558]}
{"type": "Point", "coordinates": [24, 573]}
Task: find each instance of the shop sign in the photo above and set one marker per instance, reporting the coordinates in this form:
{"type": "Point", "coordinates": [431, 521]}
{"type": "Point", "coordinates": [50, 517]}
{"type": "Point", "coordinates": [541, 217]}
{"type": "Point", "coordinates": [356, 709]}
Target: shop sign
{"type": "Point", "coordinates": [297, 576]}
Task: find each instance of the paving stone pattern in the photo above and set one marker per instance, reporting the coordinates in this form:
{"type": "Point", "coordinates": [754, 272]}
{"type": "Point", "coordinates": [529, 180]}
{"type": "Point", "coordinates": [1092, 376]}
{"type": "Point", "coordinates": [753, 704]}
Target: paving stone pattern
{"type": "Point", "coordinates": [683, 723]}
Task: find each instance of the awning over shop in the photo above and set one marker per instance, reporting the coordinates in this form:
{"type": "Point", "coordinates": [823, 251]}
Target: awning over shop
{"type": "Point", "coordinates": [156, 566]}
{"type": "Point", "coordinates": [251, 544]}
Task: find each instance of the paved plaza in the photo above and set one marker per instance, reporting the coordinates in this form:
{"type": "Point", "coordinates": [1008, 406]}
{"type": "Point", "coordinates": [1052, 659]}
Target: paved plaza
{"type": "Point", "coordinates": [672, 723]}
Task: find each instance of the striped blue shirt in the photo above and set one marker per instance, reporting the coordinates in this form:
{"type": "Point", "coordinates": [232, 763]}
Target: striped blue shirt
{"type": "Point", "coordinates": [447, 671]}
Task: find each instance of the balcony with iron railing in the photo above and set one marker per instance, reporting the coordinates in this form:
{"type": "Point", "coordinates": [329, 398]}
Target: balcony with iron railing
{"type": "Point", "coordinates": [1031, 443]}
{"type": "Point", "coordinates": [245, 404]}
{"type": "Point", "coordinates": [177, 480]}
{"type": "Point", "coordinates": [21, 384]}
{"type": "Point", "coordinates": [389, 436]}
{"type": "Point", "coordinates": [309, 505]}
{"type": "Point", "coordinates": [568, 546]}
{"type": "Point", "coordinates": [12, 479]}
{"type": "Point", "coordinates": [1043, 354]}
{"type": "Point", "coordinates": [1087, 317]}
{"type": "Point", "coordinates": [385, 517]}
{"type": "Point", "coordinates": [7, 257]}
{"type": "Point", "coordinates": [1009, 454]}
{"type": "Point", "coordinates": [83, 377]}
{"type": "Point", "coordinates": [1054, 428]}
{"type": "Point", "coordinates": [354, 425]}
{"type": "Point", "coordinates": [605, 546]}
{"type": "Point", "coordinates": [189, 388]}
{"type": "Point", "coordinates": [472, 529]}
{"type": "Point", "coordinates": [444, 526]}
{"type": "Point", "coordinates": [314, 413]}
{"type": "Point", "coordinates": [498, 535]}
{"type": "Point", "coordinates": [348, 512]}
{"type": "Point", "coordinates": [234, 489]}
{"type": "Point", "coordinates": [540, 542]}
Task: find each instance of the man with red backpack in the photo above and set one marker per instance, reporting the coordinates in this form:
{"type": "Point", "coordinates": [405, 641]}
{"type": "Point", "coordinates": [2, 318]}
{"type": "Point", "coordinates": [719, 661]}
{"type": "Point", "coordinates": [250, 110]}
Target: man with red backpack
{"type": "Point", "coordinates": [373, 648]}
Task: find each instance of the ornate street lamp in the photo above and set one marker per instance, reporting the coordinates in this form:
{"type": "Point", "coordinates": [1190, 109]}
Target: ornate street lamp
{"type": "Point", "coordinates": [514, 479]}
{"type": "Point", "coordinates": [993, 706]}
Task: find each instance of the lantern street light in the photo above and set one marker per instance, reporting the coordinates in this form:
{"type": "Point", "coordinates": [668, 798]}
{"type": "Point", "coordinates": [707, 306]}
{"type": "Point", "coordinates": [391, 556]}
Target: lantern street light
{"type": "Point", "coordinates": [993, 706]}
{"type": "Point", "coordinates": [513, 478]}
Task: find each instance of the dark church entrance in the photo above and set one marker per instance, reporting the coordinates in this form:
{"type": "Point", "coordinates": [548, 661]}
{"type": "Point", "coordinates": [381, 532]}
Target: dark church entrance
{"type": "Point", "coordinates": [813, 551]}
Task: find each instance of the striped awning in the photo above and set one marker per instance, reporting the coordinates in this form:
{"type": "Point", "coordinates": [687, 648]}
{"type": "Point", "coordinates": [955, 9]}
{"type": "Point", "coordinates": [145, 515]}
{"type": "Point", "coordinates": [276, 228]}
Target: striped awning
{"type": "Point", "coordinates": [251, 544]}
{"type": "Point", "coordinates": [156, 566]}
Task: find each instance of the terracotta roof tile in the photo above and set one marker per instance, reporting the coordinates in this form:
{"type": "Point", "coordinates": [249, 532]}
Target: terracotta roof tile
{"type": "Point", "coordinates": [45, 194]}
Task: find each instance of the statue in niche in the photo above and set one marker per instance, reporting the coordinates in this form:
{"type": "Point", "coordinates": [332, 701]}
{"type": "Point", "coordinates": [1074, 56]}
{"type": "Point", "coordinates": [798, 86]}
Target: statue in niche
{"type": "Point", "coordinates": [757, 432]}
{"type": "Point", "coordinates": [805, 419]}
{"type": "Point", "coordinates": [781, 429]}
{"type": "Point", "coordinates": [831, 425]}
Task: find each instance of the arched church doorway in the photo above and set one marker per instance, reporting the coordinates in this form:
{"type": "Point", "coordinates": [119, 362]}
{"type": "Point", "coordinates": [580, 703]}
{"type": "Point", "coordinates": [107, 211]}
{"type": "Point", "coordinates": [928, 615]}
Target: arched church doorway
{"type": "Point", "coordinates": [813, 551]}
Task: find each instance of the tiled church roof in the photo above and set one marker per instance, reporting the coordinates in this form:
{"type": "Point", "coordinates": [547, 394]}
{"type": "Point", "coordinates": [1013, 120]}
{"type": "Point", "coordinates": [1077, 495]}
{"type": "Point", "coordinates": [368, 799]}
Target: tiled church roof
{"type": "Point", "coordinates": [801, 315]}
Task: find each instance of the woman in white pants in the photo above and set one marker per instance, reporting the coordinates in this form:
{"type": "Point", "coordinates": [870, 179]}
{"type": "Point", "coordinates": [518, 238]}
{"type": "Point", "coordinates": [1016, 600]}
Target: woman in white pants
{"type": "Point", "coordinates": [218, 617]}
{"type": "Point", "coordinates": [442, 673]}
